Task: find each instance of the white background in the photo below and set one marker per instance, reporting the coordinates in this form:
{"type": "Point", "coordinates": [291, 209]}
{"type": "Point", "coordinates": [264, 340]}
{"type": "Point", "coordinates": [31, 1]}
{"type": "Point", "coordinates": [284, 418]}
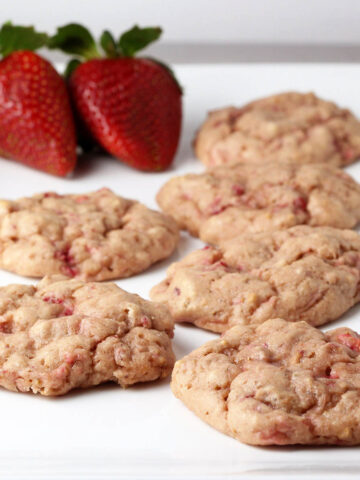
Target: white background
{"type": "Point", "coordinates": [144, 432]}
{"type": "Point", "coordinates": [235, 21]}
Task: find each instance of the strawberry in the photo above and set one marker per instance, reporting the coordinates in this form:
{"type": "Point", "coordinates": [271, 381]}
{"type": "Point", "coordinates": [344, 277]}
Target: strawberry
{"type": "Point", "coordinates": [36, 122]}
{"type": "Point", "coordinates": [131, 106]}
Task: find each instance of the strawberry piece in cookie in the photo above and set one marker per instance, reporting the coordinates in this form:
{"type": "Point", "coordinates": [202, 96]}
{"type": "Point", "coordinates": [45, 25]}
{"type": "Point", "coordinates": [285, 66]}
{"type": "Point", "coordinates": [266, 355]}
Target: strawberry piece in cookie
{"type": "Point", "coordinates": [350, 341]}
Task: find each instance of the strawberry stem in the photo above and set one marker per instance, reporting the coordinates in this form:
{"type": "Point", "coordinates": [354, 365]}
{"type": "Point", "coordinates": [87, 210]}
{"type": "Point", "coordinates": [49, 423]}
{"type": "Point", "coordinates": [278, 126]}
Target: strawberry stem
{"type": "Point", "coordinates": [109, 46]}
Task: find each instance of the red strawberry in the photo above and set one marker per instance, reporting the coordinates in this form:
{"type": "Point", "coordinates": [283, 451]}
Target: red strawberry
{"type": "Point", "coordinates": [132, 106]}
{"type": "Point", "coordinates": [36, 122]}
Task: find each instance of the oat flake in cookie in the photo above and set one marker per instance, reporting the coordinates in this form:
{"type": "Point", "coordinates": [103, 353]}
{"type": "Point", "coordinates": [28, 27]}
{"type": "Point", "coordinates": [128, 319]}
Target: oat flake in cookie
{"type": "Point", "coordinates": [228, 201]}
{"type": "Point", "coordinates": [64, 334]}
{"type": "Point", "coordinates": [278, 383]}
{"type": "Point", "coordinates": [303, 273]}
{"type": "Point", "coordinates": [295, 127]}
{"type": "Point", "coordinates": [96, 236]}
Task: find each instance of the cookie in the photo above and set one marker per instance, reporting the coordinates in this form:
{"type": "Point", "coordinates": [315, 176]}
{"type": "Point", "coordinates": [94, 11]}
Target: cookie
{"type": "Point", "coordinates": [228, 201]}
{"type": "Point", "coordinates": [278, 383]}
{"type": "Point", "coordinates": [295, 127]}
{"type": "Point", "coordinates": [303, 273]}
{"type": "Point", "coordinates": [97, 236]}
{"type": "Point", "coordinates": [66, 334]}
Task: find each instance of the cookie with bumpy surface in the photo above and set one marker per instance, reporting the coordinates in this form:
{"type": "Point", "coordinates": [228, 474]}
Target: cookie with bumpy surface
{"type": "Point", "coordinates": [303, 273]}
{"type": "Point", "coordinates": [65, 334]}
{"type": "Point", "coordinates": [278, 383]}
{"type": "Point", "coordinates": [295, 127]}
{"type": "Point", "coordinates": [228, 201]}
{"type": "Point", "coordinates": [95, 236]}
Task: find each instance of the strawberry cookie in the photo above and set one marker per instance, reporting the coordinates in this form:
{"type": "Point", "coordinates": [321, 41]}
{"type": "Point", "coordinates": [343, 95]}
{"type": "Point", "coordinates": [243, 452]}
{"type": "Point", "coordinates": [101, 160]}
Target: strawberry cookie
{"type": "Point", "coordinates": [278, 383]}
{"type": "Point", "coordinates": [227, 201]}
{"type": "Point", "coordinates": [65, 334]}
{"type": "Point", "coordinates": [96, 236]}
{"type": "Point", "coordinates": [303, 273]}
{"type": "Point", "coordinates": [295, 127]}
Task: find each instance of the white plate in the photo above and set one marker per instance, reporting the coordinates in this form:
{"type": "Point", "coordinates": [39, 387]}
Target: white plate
{"type": "Point", "coordinates": [144, 432]}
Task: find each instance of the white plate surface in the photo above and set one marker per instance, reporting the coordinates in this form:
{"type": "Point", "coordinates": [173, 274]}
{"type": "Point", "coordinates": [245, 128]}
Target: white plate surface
{"type": "Point", "coordinates": [144, 432]}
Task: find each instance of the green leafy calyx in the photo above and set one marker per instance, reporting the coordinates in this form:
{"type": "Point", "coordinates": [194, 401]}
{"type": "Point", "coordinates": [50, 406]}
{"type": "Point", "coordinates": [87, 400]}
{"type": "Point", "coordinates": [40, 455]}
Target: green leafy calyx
{"type": "Point", "coordinates": [109, 45]}
{"type": "Point", "coordinates": [75, 39]}
{"type": "Point", "coordinates": [14, 37]}
{"type": "Point", "coordinates": [137, 39]}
